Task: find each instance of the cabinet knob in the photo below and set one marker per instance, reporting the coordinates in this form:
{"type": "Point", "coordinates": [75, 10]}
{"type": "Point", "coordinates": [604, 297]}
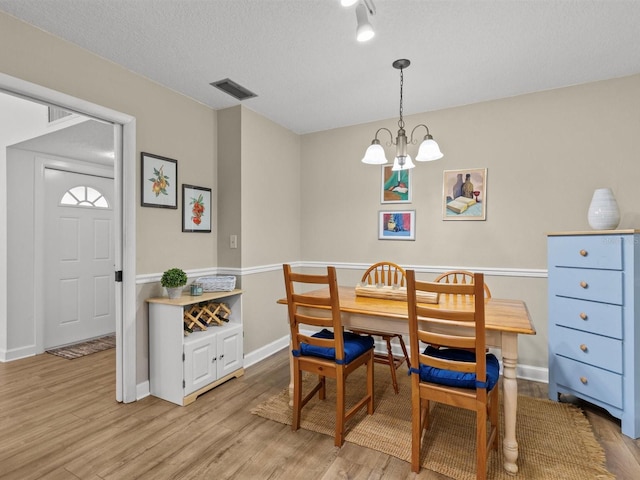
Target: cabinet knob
{"type": "Point", "coordinates": [584, 380]}
{"type": "Point", "coordinates": [584, 253]}
{"type": "Point", "coordinates": [584, 316]}
{"type": "Point", "coordinates": [583, 347]}
{"type": "Point", "coordinates": [213, 360]}
{"type": "Point", "coordinates": [584, 284]}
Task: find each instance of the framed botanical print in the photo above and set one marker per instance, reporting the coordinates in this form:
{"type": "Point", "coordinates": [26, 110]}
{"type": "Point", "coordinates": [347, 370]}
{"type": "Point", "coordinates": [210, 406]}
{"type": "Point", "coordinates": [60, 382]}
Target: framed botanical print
{"type": "Point", "coordinates": [196, 209]}
{"type": "Point", "coordinates": [464, 194]}
{"type": "Point", "coordinates": [159, 181]}
{"type": "Point", "coordinates": [396, 186]}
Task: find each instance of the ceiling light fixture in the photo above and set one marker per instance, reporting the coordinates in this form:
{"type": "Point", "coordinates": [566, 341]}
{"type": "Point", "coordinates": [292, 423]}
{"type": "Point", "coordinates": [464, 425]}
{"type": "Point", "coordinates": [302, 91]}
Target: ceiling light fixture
{"type": "Point", "coordinates": [429, 149]}
{"type": "Point", "coordinates": [364, 29]}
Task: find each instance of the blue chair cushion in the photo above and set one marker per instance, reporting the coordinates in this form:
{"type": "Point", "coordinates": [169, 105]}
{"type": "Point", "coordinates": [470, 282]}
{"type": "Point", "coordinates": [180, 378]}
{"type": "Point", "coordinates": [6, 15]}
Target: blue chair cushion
{"type": "Point", "coordinates": [453, 378]}
{"type": "Point", "coordinates": [354, 346]}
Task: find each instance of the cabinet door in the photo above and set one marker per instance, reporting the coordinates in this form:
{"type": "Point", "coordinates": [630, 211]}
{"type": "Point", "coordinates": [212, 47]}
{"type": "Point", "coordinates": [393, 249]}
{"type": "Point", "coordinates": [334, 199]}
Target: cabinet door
{"type": "Point", "coordinates": [229, 350]}
{"type": "Point", "coordinates": [199, 363]}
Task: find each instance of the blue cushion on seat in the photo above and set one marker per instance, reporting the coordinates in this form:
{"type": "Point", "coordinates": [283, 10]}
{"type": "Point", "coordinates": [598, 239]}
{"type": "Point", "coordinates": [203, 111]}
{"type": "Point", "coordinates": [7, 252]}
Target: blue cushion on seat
{"type": "Point", "coordinates": [453, 378]}
{"type": "Point", "coordinates": [354, 346]}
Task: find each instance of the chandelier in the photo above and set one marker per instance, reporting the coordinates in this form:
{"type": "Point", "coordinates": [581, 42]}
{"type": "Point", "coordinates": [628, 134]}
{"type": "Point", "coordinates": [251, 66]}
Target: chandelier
{"type": "Point", "coordinates": [429, 149]}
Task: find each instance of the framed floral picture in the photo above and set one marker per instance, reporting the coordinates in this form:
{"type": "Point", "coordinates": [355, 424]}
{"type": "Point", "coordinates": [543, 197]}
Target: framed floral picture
{"type": "Point", "coordinates": [397, 225]}
{"type": "Point", "coordinates": [396, 186]}
{"type": "Point", "coordinates": [464, 194]}
{"type": "Point", "coordinates": [196, 209]}
{"type": "Point", "coordinates": [159, 181]}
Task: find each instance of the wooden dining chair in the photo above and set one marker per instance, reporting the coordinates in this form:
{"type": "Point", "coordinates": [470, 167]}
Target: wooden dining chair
{"type": "Point", "coordinates": [452, 375]}
{"type": "Point", "coordinates": [461, 276]}
{"type": "Point", "coordinates": [387, 273]}
{"type": "Point", "coordinates": [331, 352]}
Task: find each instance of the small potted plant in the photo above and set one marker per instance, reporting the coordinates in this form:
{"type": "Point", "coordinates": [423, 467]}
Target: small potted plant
{"type": "Point", "coordinates": [173, 280]}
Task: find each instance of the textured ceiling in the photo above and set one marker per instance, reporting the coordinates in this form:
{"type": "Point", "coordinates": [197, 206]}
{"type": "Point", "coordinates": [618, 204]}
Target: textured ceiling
{"type": "Point", "coordinates": [301, 58]}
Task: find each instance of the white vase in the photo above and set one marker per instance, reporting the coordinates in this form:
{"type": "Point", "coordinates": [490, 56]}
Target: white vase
{"type": "Point", "coordinates": [603, 210]}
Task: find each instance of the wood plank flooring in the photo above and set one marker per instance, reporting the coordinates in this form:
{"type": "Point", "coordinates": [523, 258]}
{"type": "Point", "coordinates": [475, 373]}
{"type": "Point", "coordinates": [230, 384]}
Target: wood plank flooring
{"type": "Point", "coordinates": [59, 420]}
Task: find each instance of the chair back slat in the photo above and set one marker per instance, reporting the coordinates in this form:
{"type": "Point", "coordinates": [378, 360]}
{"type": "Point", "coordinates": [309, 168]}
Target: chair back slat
{"type": "Point", "coordinates": [460, 277]}
{"type": "Point", "coordinates": [385, 273]}
{"type": "Point", "coordinates": [314, 310]}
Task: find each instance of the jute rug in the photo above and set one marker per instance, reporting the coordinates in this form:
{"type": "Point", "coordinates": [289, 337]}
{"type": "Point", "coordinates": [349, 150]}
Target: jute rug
{"type": "Point", "coordinates": [85, 348]}
{"type": "Point", "coordinates": [555, 440]}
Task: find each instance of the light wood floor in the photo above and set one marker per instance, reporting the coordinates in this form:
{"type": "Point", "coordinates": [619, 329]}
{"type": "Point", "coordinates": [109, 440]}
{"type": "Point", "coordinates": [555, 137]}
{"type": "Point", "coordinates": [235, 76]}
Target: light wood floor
{"type": "Point", "coordinates": [59, 420]}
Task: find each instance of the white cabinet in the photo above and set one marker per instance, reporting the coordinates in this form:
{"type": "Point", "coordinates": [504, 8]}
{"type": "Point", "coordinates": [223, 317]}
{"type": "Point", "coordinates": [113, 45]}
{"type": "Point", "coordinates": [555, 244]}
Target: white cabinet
{"type": "Point", "coordinates": [183, 367]}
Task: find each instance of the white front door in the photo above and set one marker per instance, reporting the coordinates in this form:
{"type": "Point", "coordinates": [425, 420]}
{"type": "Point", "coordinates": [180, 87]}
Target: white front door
{"type": "Point", "coordinates": [78, 257]}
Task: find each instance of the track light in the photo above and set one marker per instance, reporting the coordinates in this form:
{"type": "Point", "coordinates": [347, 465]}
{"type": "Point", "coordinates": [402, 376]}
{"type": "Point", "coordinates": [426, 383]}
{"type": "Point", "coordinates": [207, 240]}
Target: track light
{"type": "Point", "coordinates": [364, 31]}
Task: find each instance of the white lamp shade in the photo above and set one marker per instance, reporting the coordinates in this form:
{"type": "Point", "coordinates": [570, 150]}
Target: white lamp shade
{"type": "Point", "coordinates": [374, 155]}
{"type": "Point", "coordinates": [429, 150]}
{"type": "Point", "coordinates": [364, 31]}
{"type": "Point", "coordinates": [347, 3]}
{"type": "Point", "coordinates": [406, 166]}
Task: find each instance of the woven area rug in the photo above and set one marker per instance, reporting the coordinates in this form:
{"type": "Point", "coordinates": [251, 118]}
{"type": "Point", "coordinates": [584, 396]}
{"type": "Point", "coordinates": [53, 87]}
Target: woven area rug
{"type": "Point", "coordinates": [555, 440]}
{"type": "Point", "coordinates": [85, 348]}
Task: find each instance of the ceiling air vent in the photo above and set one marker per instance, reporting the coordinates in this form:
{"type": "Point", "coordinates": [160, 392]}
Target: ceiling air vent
{"type": "Point", "coordinates": [233, 89]}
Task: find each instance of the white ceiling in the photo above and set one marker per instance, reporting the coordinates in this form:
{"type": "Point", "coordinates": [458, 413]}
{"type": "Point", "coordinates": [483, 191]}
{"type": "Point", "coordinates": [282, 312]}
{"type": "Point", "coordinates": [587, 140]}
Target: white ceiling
{"type": "Point", "coordinates": [301, 58]}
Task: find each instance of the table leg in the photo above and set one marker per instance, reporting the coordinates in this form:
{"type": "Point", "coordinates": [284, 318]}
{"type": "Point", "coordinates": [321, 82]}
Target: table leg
{"type": "Point", "coordinates": [510, 400]}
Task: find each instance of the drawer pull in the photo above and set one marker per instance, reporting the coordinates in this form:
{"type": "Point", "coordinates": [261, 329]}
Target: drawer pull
{"type": "Point", "coordinates": [584, 253]}
{"type": "Point", "coordinates": [584, 380]}
{"type": "Point", "coordinates": [584, 316]}
{"type": "Point", "coordinates": [583, 347]}
{"type": "Point", "coordinates": [584, 284]}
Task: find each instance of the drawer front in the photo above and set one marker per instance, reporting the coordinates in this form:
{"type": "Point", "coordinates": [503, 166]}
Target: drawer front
{"type": "Point", "coordinates": [594, 382]}
{"type": "Point", "coordinates": [599, 251]}
{"type": "Point", "coordinates": [598, 318]}
{"type": "Point", "coordinates": [603, 352]}
{"type": "Point", "coordinates": [595, 285]}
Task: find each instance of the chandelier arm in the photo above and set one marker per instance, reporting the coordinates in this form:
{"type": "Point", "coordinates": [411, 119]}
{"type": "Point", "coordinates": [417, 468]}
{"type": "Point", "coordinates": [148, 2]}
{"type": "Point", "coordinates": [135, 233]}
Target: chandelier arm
{"type": "Point", "coordinates": [391, 142]}
{"type": "Point", "coordinates": [412, 141]}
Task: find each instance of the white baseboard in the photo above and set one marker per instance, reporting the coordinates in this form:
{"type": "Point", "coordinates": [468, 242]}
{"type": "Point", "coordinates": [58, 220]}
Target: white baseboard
{"type": "Point", "coordinates": [17, 353]}
{"type": "Point", "coordinates": [143, 390]}
{"type": "Point", "coordinates": [263, 352]}
{"type": "Point", "coordinates": [526, 372]}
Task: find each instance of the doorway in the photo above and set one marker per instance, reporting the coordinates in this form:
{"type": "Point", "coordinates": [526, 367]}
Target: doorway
{"type": "Point", "coordinates": [123, 227]}
{"type": "Point", "coordinates": [78, 255]}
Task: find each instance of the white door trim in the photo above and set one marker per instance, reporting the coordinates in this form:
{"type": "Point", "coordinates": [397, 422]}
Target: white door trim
{"type": "Point", "coordinates": [124, 222]}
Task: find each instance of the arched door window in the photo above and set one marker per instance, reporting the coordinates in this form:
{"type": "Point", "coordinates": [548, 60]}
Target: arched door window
{"type": "Point", "coordinates": [83, 196]}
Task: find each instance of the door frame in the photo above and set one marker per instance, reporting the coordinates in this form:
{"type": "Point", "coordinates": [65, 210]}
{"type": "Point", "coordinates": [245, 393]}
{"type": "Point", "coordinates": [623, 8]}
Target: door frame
{"type": "Point", "coordinates": [124, 220]}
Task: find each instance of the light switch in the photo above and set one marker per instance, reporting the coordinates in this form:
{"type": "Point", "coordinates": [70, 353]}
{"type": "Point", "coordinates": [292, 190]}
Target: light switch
{"type": "Point", "coordinates": [233, 241]}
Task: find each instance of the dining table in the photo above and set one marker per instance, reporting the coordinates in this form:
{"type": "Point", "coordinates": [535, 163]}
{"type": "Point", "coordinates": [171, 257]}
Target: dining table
{"type": "Point", "coordinates": [505, 320]}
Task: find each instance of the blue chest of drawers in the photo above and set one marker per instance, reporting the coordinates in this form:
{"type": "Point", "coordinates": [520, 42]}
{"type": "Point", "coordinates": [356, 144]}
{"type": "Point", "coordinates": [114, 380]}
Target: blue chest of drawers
{"type": "Point", "coordinates": [594, 325]}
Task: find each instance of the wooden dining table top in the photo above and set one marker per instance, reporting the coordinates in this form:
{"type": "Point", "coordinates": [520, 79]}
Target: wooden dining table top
{"type": "Point", "coordinates": [504, 315]}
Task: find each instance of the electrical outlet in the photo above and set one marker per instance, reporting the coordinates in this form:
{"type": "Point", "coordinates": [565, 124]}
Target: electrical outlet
{"type": "Point", "coordinates": [233, 241]}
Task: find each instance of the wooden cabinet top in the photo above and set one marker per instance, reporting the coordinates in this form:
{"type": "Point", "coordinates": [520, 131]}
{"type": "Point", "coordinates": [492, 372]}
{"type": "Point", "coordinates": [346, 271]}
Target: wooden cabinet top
{"type": "Point", "coordinates": [595, 232]}
{"type": "Point", "coordinates": [187, 299]}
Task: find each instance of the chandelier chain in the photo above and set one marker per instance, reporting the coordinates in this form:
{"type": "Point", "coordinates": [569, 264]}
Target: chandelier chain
{"type": "Point", "coordinates": [401, 121]}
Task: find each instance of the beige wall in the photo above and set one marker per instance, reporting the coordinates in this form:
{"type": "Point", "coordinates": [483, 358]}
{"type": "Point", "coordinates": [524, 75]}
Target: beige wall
{"type": "Point", "coordinates": [545, 154]}
{"type": "Point", "coordinates": [168, 124]}
{"type": "Point", "coordinates": [259, 185]}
